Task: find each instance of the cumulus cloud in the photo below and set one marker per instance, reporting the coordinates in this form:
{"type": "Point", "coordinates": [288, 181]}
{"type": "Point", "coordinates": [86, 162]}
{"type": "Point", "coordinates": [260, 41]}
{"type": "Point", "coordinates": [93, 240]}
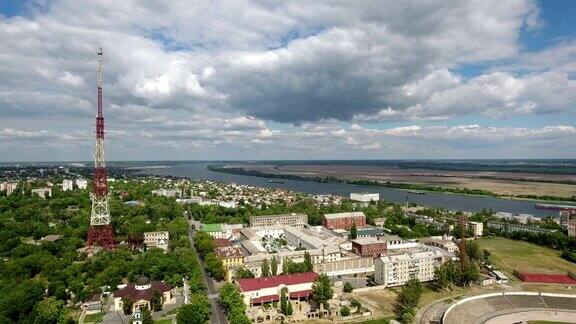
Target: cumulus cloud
{"type": "Point", "coordinates": [283, 76]}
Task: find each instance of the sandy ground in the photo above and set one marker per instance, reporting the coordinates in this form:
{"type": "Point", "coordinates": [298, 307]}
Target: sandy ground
{"type": "Point", "coordinates": [502, 183]}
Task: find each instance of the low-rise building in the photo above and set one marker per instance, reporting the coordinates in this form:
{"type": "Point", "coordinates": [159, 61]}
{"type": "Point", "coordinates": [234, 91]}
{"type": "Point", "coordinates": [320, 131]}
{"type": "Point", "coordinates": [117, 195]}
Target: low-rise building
{"type": "Point", "coordinates": [380, 221]}
{"type": "Point", "coordinates": [232, 257]}
{"type": "Point", "coordinates": [293, 219]}
{"type": "Point", "coordinates": [141, 293]}
{"type": "Point", "coordinates": [67, 185]}
{"type": "Point", "coordinates": [364, 198]}
{"type": "Point", "coordinates": [158, 239]}
{"type": "Point", "coordinates": [441, 242]}
{"type": "Point", "coordinates": [169, 192]}
{"type": "Point", "coordinates": [512, 227]}
{"type": "Point", "coordinates": [344, 220]}
{"type": "Point", "coordinates": [369, 247]}
{"type": "Point", "coordinates": [43, 192]}
{"type": "Point", "coordinates": [345, 267]}
{"type": "Point", "coordinates": [257, 291]}
{"type": "Point", "coordinates": [369, 231]}
{"type": "Point", "coordinates": [396, 270]}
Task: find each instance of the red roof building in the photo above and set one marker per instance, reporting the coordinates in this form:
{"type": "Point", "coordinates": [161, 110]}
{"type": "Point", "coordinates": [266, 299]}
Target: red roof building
{"type": "Point", "coordinates": [268, 289]}
{"type": "Point", "coordinates": [141, 293]}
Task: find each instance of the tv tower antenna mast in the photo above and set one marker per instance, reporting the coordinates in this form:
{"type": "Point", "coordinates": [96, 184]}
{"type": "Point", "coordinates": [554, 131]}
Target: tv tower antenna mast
{"type": "Point", "coordinates": [100, 232]}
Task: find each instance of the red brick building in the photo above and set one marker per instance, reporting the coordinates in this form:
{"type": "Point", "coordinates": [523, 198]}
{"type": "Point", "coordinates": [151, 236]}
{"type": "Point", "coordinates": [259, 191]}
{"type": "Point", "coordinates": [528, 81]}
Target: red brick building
{"type": "Point", "coordinates": [344, 220]}
{"type": "Point", "coordinates": [369, 247]}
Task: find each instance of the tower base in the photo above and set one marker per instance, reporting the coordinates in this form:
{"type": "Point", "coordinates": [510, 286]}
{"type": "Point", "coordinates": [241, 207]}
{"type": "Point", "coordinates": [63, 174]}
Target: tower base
{"type": "Point", "coordinates": [101, 235]}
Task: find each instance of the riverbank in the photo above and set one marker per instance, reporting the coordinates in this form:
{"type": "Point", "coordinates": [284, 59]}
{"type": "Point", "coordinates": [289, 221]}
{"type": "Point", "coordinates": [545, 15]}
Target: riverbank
{"type": "Point", "coordinates": [410, 187]}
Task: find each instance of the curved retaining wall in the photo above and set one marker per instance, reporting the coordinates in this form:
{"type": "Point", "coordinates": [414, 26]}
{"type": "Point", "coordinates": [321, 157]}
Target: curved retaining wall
{"type": "Point", "coordinates": [515, 293]}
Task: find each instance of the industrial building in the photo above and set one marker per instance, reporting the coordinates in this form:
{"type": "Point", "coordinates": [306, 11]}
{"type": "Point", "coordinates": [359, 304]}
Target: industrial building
{"type": "Point", "coordinates": [369, 247]}
{"type": "Point", "coordinates": [293, 219]}
{"type": "Point", "coordinates": [344, 220]}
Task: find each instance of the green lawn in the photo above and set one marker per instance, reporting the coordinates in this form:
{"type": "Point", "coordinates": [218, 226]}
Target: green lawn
{"type": "Point", "coordinates": [512, 255]}
{"type": "Point", "coordinates": [93, 318]}
{"type": "Point", "coordinates": [163, 321]}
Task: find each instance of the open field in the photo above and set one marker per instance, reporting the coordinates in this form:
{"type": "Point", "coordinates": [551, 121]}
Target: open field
{"type": "Point", "coordinates": [501, 183]}
{"type": "Point", "coordinates": [512, 255]}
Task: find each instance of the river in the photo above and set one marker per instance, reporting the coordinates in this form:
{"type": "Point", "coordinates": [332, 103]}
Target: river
{"type": "Point", "coordinates": [432, 199]}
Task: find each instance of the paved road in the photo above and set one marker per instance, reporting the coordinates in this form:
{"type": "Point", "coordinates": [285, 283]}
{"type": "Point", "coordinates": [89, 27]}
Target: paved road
{"type": "Point", "coordinates": [218, 315]}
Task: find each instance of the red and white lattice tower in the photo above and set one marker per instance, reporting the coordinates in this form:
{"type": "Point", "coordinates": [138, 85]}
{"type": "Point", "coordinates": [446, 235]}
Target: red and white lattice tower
{"type": "Point", "coordinates": [100, 232]}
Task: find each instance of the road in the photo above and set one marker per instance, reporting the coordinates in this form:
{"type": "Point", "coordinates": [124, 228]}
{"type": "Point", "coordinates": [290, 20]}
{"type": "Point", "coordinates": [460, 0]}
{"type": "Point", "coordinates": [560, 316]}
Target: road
{"type": "Point", "coordinates": [218, 315]}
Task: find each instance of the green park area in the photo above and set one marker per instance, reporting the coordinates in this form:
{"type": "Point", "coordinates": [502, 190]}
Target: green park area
{"type": "Point", "coordinates": [510, 255]}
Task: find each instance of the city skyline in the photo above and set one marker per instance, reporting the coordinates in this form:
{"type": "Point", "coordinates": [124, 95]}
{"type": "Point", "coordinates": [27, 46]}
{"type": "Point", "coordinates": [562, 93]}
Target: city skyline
{"type": "Point", "coordinates": [301, 80]}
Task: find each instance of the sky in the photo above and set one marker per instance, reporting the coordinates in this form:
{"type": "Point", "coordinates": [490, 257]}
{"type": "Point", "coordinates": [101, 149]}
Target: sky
{"type": "Point", "coordinates": [265, 80]}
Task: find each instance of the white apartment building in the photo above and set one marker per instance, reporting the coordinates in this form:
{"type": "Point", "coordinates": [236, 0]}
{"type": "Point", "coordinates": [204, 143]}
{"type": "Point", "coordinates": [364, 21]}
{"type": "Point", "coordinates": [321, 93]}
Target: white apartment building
{"type": "Point", "coordinates": [477, 228]}
{"type": "Point", "coordinates": [293, 219]}
{"type": "Point", "coordinates": [171, 192]}
{"type": "Point", "coordinates": [43, 192]}
{"type": "Point", "coordinates": [396, 270]}
{"type": "Point", "coordinates": [364, 197]}
{"type": "Point", "coordinates": [9, 187]}
{"type": "Point", "coordinates": [67, 185]}
{"type": "Point", "coordinates": [159, 239]}
{"type": "Point", "coordinates": [81, 183]}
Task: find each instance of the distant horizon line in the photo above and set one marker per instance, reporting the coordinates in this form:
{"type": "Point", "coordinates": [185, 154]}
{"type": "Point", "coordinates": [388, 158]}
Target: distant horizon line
{"type": "Point", "coordinates": [308, 160]}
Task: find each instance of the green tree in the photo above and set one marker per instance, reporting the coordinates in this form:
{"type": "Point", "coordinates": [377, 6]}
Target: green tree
{"type": "Point", "coordinates": [344, 311]}
{"type": "Point", "coordinates": [197, 312]}
{"type": "Point", "coordinates": [274, 266]}
{"type": "Point", "coordinates": [353, 232]}
{"type": "Point", "coordinates": [408, 300]}
{"type": "Point", "coordinates": [127, 304]}
{"type": "Point", "coordinates": [146, 316]}
{"type": "Point", "coordinates": [156, 301]}
{"type": "Point", "coordinates": [473, 250]}
{"type": "Point", "coordinates": [322, 290]}
{"type": "Point", "coordinates": [347, 287]}
{"type": "Point", "coordinates": [242, 273]}
{"type": "Point", "coordinates": [48, 311]}
{"type": "Point", "coordinates": [283, 301]}
{"type": "Point", "coordinates": [289, 309]}
{"type": "Point", "coordinates": [265, 268]}
{"type": "Point", "coordinates": [307, 262]}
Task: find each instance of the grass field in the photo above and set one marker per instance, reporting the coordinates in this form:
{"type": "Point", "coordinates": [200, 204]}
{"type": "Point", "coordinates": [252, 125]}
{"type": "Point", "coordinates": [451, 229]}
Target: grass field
{"type": "Point", "coordinates": [512, 255]}
{"type": "Point", "coordinates": [93, 318]}
{"type": "Point", "coordinates": [163, 321]}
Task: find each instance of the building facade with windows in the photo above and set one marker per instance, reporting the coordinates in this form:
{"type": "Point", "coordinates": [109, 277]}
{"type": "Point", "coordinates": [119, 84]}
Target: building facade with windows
{"type": "Point", "coordinates": [158, 239]}
{"type": "Point", "coordinates": [344, 220]}
{"type": "Point", "coordinates": [396, 270]}
{"type": "Point", "coordinates": [257, 291]}
{"type": "Point", "coordinates": [293, 219]}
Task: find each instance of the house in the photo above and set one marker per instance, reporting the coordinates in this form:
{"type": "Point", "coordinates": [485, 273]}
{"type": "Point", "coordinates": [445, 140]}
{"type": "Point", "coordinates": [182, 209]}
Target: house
{"type": "Point", "coordinates": [141, 292]}
{"type": "Point", "coordinates": [67, 184]}
{"type": "Point", "coordinates": [268, 289]}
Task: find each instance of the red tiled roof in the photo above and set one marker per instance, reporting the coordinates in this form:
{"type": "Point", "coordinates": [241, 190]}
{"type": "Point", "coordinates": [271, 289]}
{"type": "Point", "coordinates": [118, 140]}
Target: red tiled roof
{"type": "Point", "coordinates": [220, 242]}
{"type": "Point", "coordinates": [251, 284]}
{"type": "Point", "coordinates": [547, 278]}
{"type": "Point", "coordinates": [130, 290]}
{"type": "Point", "coordinates": [302, 293]}
{"type": "Point", "coordinates": [265, 299]}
